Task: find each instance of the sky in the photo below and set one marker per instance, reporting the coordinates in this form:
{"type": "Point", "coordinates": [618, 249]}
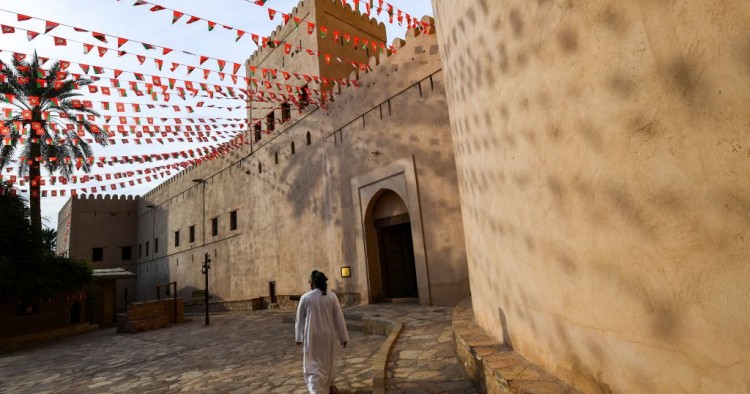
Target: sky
{"type": "Point", "coordinates": [120, 18]}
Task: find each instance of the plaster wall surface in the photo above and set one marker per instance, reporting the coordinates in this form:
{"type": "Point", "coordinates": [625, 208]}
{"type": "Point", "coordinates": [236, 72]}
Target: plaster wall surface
{"type": "Point", "coordinates": [108, 222]}
{"type": "Point", "coordinates": [298, 214]}
{"type": "Point", "coordinates": [602, 152]}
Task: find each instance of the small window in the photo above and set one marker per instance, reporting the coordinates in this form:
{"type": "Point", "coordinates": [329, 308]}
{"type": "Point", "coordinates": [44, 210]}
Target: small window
{"type": "Point", "coordinates": [260, 168]}
{"type": "Point", "coordinates": [276, 158]}
{"type": "Point", "coordinates": [233, 220]}
{"type": "Point", "coordinates": [176, 238]}
{"type": "Point", "coordinates": [140, 251]}
{"type": "Point", "coordinates": [270, 122]}
{"type": "Point", "coordinates": [156, 245]}
{"type": "Point", "coordinates": [191, 234]}
{"type": "Point", "coordinates": [256, 132]}
{"type": "Point", "coordinates": [127, 253]}
{"type": "Point", "coordinates": [215, 227]}
{"type": "Point", "coordinates": [97, 254]}
{"type": "Point", "coordinates": [286, 112]}
{"type": "Point", "coordinates": [292, 147]}
{"type": "Point", "coordinates": [308, 138]}
{"type": "Point", "coordinates": [147, 246]}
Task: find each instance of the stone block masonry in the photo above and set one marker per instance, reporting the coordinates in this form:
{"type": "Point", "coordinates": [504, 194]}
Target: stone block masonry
{"type": "Point", "coordinates": [151, 315]}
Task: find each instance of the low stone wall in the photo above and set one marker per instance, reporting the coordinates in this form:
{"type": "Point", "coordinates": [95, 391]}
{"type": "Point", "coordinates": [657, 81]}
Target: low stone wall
{"type": "Point", "coordinates": [57, 312]}
{"type": "Point", "coordinates": [494, 367]}
{"type": "Point", "coordinates": [150, 315]}
{"type": "Point", "coordinates": [283, 302]}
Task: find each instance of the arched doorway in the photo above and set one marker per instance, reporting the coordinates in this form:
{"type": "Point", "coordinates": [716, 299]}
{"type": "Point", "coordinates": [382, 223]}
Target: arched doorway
{"type": "Point", "coordinates": [392, 249]}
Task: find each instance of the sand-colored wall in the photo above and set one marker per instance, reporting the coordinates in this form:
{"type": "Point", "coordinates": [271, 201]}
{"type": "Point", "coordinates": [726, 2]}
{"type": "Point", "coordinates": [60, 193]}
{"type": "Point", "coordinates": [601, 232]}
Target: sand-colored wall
{"type": "Point", "coordinates": [603, 151]}
{"type": "Point", "coordinates": [299, 215]}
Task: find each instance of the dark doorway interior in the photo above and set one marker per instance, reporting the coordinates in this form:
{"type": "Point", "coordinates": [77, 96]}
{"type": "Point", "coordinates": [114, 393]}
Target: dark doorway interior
{"type": "Point", "coordinates": [75, 313]}
{"type": "Point", "coordinates": [397, 257]}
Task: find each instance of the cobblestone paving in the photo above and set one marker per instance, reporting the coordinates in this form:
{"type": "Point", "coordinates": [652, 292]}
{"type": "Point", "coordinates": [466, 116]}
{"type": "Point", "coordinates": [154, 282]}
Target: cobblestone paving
{"type": "Point", "coordinates": [237, 353]}
{"type": "Point", "coordinates": [424, 359]}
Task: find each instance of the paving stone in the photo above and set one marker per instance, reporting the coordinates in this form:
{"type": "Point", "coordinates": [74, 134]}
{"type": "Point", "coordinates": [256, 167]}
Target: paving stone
{"type": "Point", "coordinates": [250, 353]}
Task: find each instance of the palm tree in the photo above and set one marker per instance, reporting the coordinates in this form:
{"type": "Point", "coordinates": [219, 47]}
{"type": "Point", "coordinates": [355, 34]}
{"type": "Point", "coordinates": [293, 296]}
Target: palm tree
{"type": "Point", "coordinates": [46, 123]}
{"type": "Point", "coordinates": [49, 240]}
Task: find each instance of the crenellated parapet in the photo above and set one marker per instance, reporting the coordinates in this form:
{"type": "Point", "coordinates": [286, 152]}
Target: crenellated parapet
{"type": "Point", "coordinates": [303, 10]}
{"type": "Point", "coordinates": [106, 197]}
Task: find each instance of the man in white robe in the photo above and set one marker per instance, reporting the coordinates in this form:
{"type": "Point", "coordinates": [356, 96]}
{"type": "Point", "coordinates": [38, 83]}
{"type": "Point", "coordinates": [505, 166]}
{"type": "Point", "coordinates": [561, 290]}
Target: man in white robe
{"type": "Point", "coordinates": [320, 327]}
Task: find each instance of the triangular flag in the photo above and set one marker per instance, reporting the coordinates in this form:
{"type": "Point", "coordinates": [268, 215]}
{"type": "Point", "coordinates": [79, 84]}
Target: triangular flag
{"type": "Point", "coordinates": [271, 14]}
{"type": "Point", "coordinates": [99, 36]}
{"type": "Point", "coordinates": [121, 41]}
{"type": "Point", "coordinates": [30, 35]}
{"type": "Point", "coordinates": [49, 26]}
{"type": "Point", "coordinates": [176, 15]}
{"type": "Point", "coordinates": [22, 17]}
{"type": "Point", "coordinates": [193, 19]}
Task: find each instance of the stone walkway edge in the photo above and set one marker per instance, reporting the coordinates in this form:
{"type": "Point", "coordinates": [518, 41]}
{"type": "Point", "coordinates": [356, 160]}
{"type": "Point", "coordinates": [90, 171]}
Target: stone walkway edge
{"type": "Point", "coordinates": [494, 367]}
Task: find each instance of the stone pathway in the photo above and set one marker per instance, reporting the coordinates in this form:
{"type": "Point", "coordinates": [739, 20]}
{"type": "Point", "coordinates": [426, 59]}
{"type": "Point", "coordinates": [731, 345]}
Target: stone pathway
{"type": "Point", "coordinates": [237, 353]}
{"type": "Point", "coordinates": [424, 359]}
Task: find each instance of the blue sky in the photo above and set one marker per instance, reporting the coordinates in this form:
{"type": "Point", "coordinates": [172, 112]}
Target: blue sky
{"type": "Point", "coordinates": [116, 18]}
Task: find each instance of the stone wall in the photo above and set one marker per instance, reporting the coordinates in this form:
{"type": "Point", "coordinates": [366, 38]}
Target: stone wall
{"type": "Point", "coordinates": [101, 221]}
{"type": "Point", "coordinates": [24, 318]}
{"type": "Point", "coordinates": [151, 315]}
{"type": "Point", "coordinates": [602, 152]}
{"type": "Point", "coordinates": [296, 213]}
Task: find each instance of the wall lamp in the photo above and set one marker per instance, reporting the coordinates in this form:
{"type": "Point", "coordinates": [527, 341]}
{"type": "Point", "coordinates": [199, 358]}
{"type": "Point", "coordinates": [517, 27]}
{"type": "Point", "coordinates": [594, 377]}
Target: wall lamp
{"type": "Point", "coordinates": [346, 272]}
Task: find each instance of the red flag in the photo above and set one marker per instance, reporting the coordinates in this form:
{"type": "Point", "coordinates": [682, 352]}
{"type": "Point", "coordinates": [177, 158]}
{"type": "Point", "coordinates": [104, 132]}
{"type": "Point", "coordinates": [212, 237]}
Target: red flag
{"type": "Point", "coordinates": [59, 41]}
{"type": "Point", "coordinates": [240, 33]}
{"type": "Point", "coordinates": [99, 36]}
{"type": "Point", "coordinates": [102, 51]}
{"type": "Point", "coordinates": [193, 19]}
{"type": "Point", "coordinates": [49, 26]}
{"type": "Point", "coordinates": [176, 15]}
{"type": "Point", "coordinates": [30, 35]}
{"type": "Point", "coordinates": [203, 59]}
{"type": "Point", "coordinates": [121, 41]}
{"type": "Point", "coordinates": [165, 51]}
{"type": "Point", "coordinates": [310, 28]}
{"type": "Point", "coordinates": [8, 29]}
{"type": "Point", "coordinates": [271, 14]}
{"type": "Point", "coordinates": [141, 58]}
{"type": "Point", "coordinates": [22, 17]}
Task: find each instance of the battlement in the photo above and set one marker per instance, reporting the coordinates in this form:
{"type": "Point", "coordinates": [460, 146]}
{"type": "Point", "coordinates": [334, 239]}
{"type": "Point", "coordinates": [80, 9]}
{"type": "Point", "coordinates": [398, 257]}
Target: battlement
{"type": "Point", "coordinates": [307, 7]}
{"type": "Point", "coordinates": [397, 45]}
{"type": "Point", "coordinates": [106, 197]}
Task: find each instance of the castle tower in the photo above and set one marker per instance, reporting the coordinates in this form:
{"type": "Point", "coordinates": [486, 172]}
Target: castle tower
{"type": "Point", "coordinates": [297, 63]}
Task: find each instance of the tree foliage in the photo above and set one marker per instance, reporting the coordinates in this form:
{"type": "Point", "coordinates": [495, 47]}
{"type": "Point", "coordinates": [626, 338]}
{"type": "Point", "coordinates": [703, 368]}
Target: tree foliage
{"type": "Point", "coordinates": [43, 104]}
{"type": "Point", "coordinates": [26, 276]}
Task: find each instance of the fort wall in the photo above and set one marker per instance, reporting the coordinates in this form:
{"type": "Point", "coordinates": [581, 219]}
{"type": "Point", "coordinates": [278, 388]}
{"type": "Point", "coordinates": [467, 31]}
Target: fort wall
{"type": "Point", "coordinates": [296, 213]}
{"type": "Point", "coordinates": [602, 155]}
